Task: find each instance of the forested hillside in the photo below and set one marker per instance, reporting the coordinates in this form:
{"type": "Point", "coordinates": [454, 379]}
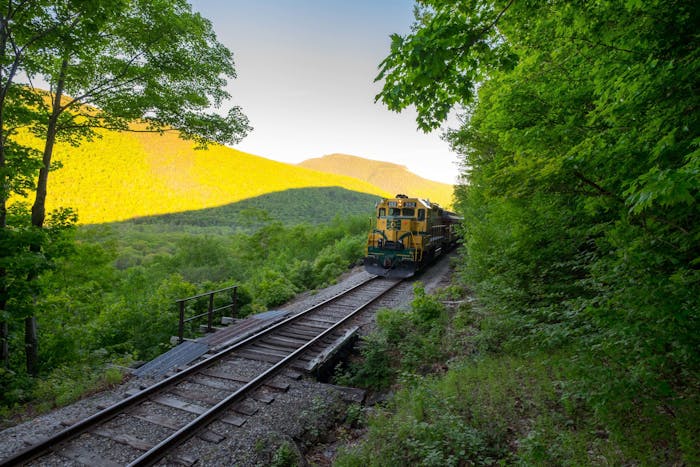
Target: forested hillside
{"type": "Point", "coordinates": [122, 175]}
{"type": "Point", "coordinates": [311, 206]}
{"type": "Point", "coordinates": [392, 178]}
{"type": "Point", "coordinates": [581, 234]}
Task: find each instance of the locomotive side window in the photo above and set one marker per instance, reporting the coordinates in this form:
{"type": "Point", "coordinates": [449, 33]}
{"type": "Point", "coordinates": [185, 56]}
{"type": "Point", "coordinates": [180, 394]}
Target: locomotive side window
{"type": "Point", "coordinates": [382, 212]}
{"type": "Point", "coordinates": [421, 214]}
{"type": "Point", "coordinates": [408, 212]}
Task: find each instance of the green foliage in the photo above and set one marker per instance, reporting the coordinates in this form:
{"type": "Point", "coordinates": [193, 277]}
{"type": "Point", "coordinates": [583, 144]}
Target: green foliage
{"type": "Point", "coordinates": [98, 308]}
{"type": "Point", "coordinates": [285, 456]}
{"type": "Point", "coordinates": [131, 60]}
{"type": "Point", "coordinates": [18, 262]}
{"type": "Point", "coordinates": [580, 203]}
{"type": "Point", "coordinates": [306, 206]}
{"type": "Point", "coordinates": [158, 62]}
{"type": "Point", "coordinates": [271, 287]}
{"type": "Point", "coordinates": [405, 342]}
{"type": "Point", "coordinates": [67, 384]}
{"type": "Point", "coordinates": [426, 308]}
{"type": "Point", "coordinates": [440, 63]}
{"type": "Point", "coordinates": [355, 416]}
{"type": "Point", "coordinates": [486, 411]}
{"type": "Point", "coordinates": [374, 371]}
{"type": "Point", "coordinates": [445, 421]}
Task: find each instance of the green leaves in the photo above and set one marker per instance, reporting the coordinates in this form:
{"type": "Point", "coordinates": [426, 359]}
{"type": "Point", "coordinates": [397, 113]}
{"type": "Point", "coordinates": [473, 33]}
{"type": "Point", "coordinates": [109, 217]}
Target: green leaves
{"type": "Point", "coordinates": [149, 60]}
{"type": "Point", "coordinates": [440, 63]}
{"type": "Point", "coordinates": [107, 64]}
{"type": "Point", "coordinates": [663, 188]}
{"type": "Point", "coordinates": [583, 179]}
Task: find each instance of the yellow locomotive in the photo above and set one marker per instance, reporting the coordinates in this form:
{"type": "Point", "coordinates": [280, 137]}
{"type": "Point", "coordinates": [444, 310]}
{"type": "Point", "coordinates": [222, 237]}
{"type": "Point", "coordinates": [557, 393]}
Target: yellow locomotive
{"type": "Point", "coordinates": [409, 233]}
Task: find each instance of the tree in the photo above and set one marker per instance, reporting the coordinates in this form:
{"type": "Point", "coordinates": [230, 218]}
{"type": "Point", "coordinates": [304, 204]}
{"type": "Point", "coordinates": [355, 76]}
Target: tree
{"type": "Point", "coordinates": [23, 25]}
{"type": "Point", "coordinates": [153, 60]}
{"type": "Point", "coordinates": [112, 62]}
{"type": "Point", "coordinates": [580, 145]}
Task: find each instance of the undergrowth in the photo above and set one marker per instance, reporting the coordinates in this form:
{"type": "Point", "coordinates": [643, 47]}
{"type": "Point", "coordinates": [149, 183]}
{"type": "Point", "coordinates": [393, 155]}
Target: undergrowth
{"type": "Point", "coordinates": [460, 399]}
{"type": "Point", "coordinates": [111, 297]}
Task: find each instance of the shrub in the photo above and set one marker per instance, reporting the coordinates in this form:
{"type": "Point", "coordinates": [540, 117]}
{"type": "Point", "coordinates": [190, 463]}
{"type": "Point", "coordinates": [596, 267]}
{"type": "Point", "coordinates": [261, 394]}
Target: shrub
{"type": "Point", "coordinates": [374, 370]}
{"type": "Point", "coordinates": [271, 287]}
{"type": "Point", "coordinates": [67, 384]}
{"type": "Point", "coordinates": [426, 308]}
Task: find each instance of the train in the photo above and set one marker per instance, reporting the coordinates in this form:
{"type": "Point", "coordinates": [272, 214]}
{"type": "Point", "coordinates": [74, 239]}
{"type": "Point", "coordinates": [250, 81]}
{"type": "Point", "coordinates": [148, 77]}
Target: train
{"type": "Point", "coordinates": [407, 235]}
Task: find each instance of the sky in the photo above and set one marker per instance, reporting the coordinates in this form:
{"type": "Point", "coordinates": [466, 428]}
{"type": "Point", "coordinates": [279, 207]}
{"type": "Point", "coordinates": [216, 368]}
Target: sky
{"type": "Point", "coordinates": [306, 72]}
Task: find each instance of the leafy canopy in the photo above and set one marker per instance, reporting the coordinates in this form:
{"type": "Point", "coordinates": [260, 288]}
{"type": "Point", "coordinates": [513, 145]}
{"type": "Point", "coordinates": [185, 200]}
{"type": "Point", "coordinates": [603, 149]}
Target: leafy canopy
{"type": "Point", "coordinates": [582, 176]}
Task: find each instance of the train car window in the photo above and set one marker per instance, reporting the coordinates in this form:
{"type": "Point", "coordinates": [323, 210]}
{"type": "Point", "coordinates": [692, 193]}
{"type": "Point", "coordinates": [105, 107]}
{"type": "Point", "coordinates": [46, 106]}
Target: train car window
{"type": "Point", "coordinates": [394, 211]}
{"type": "Point", "coordinates": [421, 214]}
{"type": "Point", "coordinates": [382, 212]}
{"type": "Point", "coordinates": [408, 212]}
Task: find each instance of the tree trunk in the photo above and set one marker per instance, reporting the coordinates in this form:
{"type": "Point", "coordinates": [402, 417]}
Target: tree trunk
{"type": "Point", "coordinates": [4, 327]}
{"type": "Point", "coordinates": [31, 346]}
{"type": "Point", "coordinates": [4, 331]}
{"type": "Point", "coordinates": [4, 345]}
{"type": "Point", "coordinates": [4, 193]}
{"type": "Point", "coordinates": [31, 343]}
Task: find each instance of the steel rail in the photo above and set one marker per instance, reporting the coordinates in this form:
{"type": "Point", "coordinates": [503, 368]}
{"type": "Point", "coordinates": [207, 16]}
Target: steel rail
{"type": "Point", "coordinates": [82, 426]}
{"type": "Point", "coordinates": [153, 455]}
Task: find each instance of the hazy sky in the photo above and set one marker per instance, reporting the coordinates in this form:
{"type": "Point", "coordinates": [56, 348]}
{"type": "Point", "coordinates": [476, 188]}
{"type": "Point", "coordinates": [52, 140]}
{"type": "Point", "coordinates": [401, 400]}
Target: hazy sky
{"type": "Point", "coordinates": [305, 80]}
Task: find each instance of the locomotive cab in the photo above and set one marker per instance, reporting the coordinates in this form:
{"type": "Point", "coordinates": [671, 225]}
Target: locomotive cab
{"type": "Point", "coordinates": [394, 245]}
{"type": "Point", "coordinates": [407, 234]}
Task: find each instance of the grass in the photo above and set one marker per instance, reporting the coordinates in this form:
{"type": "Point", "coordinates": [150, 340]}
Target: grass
{"type": "Point", "coordinates": [63, 386]}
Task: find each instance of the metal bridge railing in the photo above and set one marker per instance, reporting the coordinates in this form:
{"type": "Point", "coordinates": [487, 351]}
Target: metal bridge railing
{"type": "Point", "coordinates": [210, 309]}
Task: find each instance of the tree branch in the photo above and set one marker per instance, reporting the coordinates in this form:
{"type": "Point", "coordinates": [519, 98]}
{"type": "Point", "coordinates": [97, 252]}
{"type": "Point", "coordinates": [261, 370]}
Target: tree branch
{"type": "Point", "coordinates": [595, 186]}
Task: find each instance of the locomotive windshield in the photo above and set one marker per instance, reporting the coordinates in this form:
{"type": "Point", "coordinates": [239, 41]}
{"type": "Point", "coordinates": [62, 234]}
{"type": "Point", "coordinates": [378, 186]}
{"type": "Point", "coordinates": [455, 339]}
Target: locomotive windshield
{"type": "Point", "coordinates": [408, 210]}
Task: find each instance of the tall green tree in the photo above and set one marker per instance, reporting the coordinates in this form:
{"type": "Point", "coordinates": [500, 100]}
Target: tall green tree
{"type": "Point", "coordinates": [152, 60]}
{"type": "Point", "coordinates": [112, 62]}
{"type": "Point", "coordinates": [23, 26]}
{"type": "Point", "coordinates": [582, 168]}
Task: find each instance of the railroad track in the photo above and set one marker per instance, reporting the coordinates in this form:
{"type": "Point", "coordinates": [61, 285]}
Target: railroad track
{"type": "Point", "coordinates": [183, 405]}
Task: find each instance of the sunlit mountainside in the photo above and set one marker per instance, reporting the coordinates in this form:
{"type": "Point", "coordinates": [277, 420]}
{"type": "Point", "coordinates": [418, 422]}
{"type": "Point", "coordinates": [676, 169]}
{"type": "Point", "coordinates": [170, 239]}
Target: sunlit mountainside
{"type": "Point", "coordinates": [390, 177]}
{"type": "Point", "coordinates": [125, 175]}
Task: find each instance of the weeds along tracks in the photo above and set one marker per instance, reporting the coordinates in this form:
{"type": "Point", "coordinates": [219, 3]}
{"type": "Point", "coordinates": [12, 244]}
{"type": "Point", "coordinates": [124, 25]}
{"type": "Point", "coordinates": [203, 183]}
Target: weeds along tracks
{"type": "Point", "coordinates": [143, 428]}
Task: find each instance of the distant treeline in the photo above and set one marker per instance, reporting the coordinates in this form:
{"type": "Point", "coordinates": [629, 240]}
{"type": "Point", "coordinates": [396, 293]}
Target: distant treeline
{"type": "Point", "coordinates": [312, 206]}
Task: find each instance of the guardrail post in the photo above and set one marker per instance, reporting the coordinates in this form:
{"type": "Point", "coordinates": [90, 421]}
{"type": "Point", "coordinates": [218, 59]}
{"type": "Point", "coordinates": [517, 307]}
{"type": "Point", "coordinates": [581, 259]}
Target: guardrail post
{"type": "Point", "coordinates": [181, 326]}
{"type": "Point", "coordinates": [234, 299]}
{"type": "Point", "coordinates": [210, 313]}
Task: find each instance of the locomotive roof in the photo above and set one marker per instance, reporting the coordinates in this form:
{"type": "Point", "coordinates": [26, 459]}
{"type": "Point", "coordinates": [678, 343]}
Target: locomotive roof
{"type": "Point", "coordinates": [424, 202]}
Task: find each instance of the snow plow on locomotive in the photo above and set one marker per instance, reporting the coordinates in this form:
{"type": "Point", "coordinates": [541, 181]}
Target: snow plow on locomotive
{"type": "Point", "coordinates": [407, 235]}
